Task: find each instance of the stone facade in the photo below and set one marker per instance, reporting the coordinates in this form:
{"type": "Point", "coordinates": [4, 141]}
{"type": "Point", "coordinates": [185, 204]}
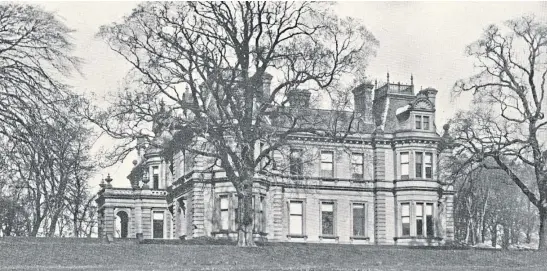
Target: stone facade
{"type": "Point", "coordinates": [379, 185]}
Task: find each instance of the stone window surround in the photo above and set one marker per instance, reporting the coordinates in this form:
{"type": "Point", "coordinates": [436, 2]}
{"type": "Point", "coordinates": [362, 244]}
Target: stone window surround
{"type": "Point", "coordinates": [365, 236]}
{"type": "Point", "coordinates": [421, 116]}
{"type": "Point", "coordinates": [411, 151]}
{"type": "Point", "coordinates": [424, 165]}
{"type": "Point", "coordinates": [412, 206]}
{"type": "Point", "coordinates": [158, 210]}
{"type": "Point", "coordinates": [303, 202]}
{"type": "Point", "coordinates": [231, 196]}
{"type": "Point", "coordinates": [331, 162]}
{"type": "Point", "coordinates": [361, 165]}
{"type": "Point", "coordinates": [334, 218]}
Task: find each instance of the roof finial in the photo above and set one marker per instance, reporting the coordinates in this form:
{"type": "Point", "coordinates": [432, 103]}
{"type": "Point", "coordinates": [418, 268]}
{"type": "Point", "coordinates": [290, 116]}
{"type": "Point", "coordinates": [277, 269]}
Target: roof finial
{"type": "Point", "coordinates": [388, 77]}
{"type": "Point", "coordinates": [411, 79]}
{"type": "Point", "coordinates": [375, 83]}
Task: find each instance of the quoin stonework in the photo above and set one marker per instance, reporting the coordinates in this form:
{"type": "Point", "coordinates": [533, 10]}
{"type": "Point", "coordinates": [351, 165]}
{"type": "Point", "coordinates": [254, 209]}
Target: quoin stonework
{"type": "Point", "coordinates": [379, 185]}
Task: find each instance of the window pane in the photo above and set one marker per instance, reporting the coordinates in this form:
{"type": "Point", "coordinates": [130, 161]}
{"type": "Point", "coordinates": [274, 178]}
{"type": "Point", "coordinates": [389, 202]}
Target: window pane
{"type": "Point", "coordinates": [406, 225]}
{"type": "Point", "coordinates": [326, 156]}
{"type": "Point", "coordinates": [428, 157]}
{"type": "Point", "coordinates": [419, 209]}
{"type": "Point", "coordinates": [326, 166]}
{"type": "Point", "coordinates": [419, 165]}
{"type": "Point", "coordinates": [295, 226]}
{"type": "Point", "coordinates": [426, 123]}
{"type": "Point", "coordinates": [418, 122]}
{"type": "Point", "coordinates": [158, 215]}
{"type": "Point", "coordinates": [420, 226]}
{"type": "Point", "coordinates": [327, 207]}
{"type": "Point", "coordinates": [296, 208]}
{"type": "Point", "coordinates": [157, 229]}
{"type": "Point", "coordinates": [357, 169]}
{"type": "Point", "coordinates": [404, 157]}
{"type": "Point", "coordinates": [357, 158]}
{"type": "Point", "coordinates": [358, 219]}
{"type": "Point", "coordinates": [429, 224]}
{"type": "Point", "coordinates": [224, 203]}
{"type": "Point", "coordinates": [404, 169]}
{"type": "Point", "coordinates": [327, 218]}
{"type": "Point", "coordinates": [429, 209]}
{"type": "Point", "coordinates": [405, 209]}
{"type": "Point", "coordinates": [327, 223]}
{"type": "Point", "coordinates": [157, 225]}
{"type": "Point", "coordinates": [419, 156]}
{"type": "Point", "coordinates": [296, 162]}
{"type": "Point", "coordinates": [155, 170]}
{"type": "Point", "coordinates": [428, 172]}
{"type": "Point", "coordinates": [224, 220]}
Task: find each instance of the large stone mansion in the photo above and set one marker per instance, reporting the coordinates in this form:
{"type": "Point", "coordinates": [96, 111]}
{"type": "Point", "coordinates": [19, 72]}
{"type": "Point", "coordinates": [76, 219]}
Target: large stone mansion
{"type": "Point", "coordinates": [379, 185]}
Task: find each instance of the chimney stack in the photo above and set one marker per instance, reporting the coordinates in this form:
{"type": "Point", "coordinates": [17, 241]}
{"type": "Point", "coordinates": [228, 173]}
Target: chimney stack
{"type": "Point", "coordinates": [430, 93]}
{"type": "Point", "coordinates": [299, 97]}
{"type": "Point", "coordinates": [362, 96]}
{"type": "Point", "coordinates": [266, 86]}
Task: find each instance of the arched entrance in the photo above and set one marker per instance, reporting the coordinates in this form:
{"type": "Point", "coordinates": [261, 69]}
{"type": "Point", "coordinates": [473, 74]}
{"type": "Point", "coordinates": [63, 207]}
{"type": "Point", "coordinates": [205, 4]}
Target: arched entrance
{"type": "Point", "coordinates": [122, 223]}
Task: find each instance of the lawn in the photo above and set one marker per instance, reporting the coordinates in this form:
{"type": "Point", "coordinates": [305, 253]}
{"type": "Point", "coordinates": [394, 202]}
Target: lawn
{"type": "Point", "coordinates": [71, 254]}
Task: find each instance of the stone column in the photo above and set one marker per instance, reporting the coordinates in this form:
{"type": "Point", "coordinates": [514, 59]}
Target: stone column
{"type": "Point", "coordinates": [275, 226]}
{"type": "Point", "coordinates": [449, 217]}
{"type": "Point", "coordinates": [109, 219]}
{"type": "Point", "coordinates": [384, 200]}
{"type": "Point", "coordinates": [138, 216]}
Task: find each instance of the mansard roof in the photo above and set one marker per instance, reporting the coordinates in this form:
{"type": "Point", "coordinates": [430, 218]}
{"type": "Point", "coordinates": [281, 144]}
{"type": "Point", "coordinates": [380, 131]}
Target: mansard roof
{"type": "Point", "coordinates": [323, 120]}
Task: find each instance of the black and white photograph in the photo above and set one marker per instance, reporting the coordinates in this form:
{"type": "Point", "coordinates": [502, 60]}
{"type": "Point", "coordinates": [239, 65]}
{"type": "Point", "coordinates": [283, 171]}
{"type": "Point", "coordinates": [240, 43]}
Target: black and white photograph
{"type": "Point", "coordinates": [273, 135]}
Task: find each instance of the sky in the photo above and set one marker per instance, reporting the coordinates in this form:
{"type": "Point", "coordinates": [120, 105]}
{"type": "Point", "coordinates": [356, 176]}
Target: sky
{"type": "Point", "coordinates": [423, 39]}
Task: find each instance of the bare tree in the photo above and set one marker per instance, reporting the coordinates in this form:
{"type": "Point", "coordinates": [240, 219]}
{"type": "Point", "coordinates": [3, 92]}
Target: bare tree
{"type": "Point", "coordinates": [209, 63]}
{"type": "Point", "coordinates": [510, 85]}
{"type": "Point", "coordinates": [44, 139]}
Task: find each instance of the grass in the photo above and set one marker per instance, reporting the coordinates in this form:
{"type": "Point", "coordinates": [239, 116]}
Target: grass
{"type": "Point", "coordinates": [59, 254]}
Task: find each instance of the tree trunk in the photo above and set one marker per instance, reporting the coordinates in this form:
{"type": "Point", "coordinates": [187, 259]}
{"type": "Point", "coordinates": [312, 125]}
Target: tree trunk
{"type": "Point", "coordinates": [53, 224]}
{"type": "Point", "coordinates": [245, 218]}
{"type": "Point", "coordinates": [542, 229]}
{"type": "Point", "coordinates": [483, 231]}
{"type": "Point", "coordinates": [494, 234]}
{"type": "Point", "coordinates": [506, 237]}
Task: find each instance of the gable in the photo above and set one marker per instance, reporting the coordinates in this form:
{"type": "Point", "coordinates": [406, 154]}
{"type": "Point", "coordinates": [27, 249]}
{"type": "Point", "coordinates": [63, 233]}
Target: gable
{"type": "Point", "coordinates": [422, 104]}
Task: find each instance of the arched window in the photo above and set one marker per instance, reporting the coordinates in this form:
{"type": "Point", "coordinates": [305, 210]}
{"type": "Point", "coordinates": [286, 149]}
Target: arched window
{"type": "Point", "coordinates": [122, 223]}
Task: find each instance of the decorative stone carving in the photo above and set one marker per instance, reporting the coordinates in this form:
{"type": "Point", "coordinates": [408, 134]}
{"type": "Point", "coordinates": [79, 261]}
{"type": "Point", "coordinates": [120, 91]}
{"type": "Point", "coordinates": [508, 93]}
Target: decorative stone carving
{"type": "Point", "coordinates": [108, 181]}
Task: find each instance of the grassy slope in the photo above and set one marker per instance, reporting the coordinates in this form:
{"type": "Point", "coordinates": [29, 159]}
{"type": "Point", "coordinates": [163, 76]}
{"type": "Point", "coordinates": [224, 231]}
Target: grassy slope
{"type": "Point", "coordinates": [130, 256]}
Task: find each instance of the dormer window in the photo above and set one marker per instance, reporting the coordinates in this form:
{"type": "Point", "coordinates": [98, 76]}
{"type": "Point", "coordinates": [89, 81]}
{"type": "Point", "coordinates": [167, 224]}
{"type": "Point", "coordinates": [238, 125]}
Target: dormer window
{"type": "Point", "coordinates": [422, 122]}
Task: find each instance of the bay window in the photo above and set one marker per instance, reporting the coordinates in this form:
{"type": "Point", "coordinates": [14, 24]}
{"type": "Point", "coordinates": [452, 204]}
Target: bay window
{"type": "Point", "coordinates": [417, 219]}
